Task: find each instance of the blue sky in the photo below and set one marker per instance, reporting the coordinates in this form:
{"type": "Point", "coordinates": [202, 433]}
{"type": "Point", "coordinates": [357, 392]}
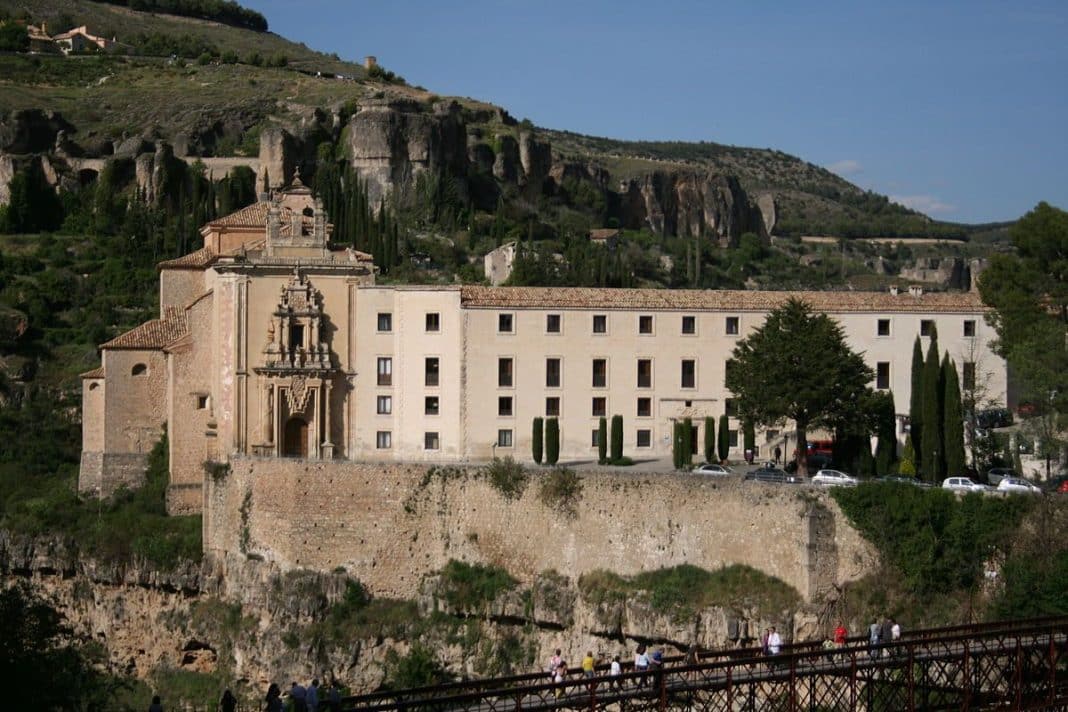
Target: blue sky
{"type": "Point", "coordinates": [959, 109]}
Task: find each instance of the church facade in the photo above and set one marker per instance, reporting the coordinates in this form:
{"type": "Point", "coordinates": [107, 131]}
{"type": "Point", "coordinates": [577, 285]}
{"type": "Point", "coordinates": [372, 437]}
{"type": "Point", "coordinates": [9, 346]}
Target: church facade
{"type": "Point", "coordinates": [272, 345]}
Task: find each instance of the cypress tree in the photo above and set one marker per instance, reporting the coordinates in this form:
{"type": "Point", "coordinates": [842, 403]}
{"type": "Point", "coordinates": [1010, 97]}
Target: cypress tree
{"type": "Point", "coordinates": [916, 397]}
{"type": "Point", "coordinates": [710, 438]}
{"type": "Point", "coordinates": [552, 441]}
{"type": "Point", "coordinates": [749, 436]}
{"type": "Point", "coordinates": [617, 438]}
{"type": "Point", "coordinates": [885, 430]}
{"type": "Point", "coordinates": [687, 442]}
{"type": "Point", "coordinates": [537, 439]}
{"type": "Point", "coordinates": [724, 437]}
{"type": "Point", "coordinates": [602, 441]}
{"type": "Point", "coordinates": [907, 466]}
{"type": "Point", "coordinates": [865, 462]}
{"type": "Point", "coordinates": [953, 428]}
{"type": "Point", "coordinates": [932, 455]}
{"type": "Point", "coordinates": [676, 444]}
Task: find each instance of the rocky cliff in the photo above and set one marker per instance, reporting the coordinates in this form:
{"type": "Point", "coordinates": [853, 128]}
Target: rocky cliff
{"type": "Point", "coordinates": [254, 624]}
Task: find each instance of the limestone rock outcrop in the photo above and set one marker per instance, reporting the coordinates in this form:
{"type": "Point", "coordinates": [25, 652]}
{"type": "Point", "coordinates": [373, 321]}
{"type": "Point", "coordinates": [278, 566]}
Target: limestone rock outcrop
{"type": "Point", "coordinates": [690, 204]}
{"type": "Point", "coordinates": [946, 272]}
{"type": "Point", "coordinates": [390, 142]}
{"type": "Point", "coordinates": [31, 130]}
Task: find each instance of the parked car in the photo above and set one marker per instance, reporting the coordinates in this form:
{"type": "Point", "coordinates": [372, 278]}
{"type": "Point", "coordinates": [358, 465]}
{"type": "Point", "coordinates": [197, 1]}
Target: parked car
{"type": "Point", "coordinates": [709, 468]}
{"type": "Point", "coordinates": [993, 418]}
{"type": "Point", "coordinates": [1019, 485]}
{"type": "Point", "coordinates": [815, 462]}
{"type": "Point", "coordinates": [995, 474]}
{"type": "Point", "coordinates": [963, 484]}
{"type": "Point", "coordinates": [773, 475]}
{"type": "Point", "coordinates": [902, 479]}
{"type": "Point", "coordinates": [1062, 488]}
{"type": "Point", "coordinates": [834, 477]}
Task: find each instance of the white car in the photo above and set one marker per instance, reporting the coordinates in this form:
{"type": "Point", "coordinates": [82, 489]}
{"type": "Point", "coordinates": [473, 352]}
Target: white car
{"type": "Point", "coordinates": [1017, 484]}
{"type": "Point", "coordinates": [963, 484]}
{"type": "Point", "coordinates": [833, 477]}
{"type": "Point", "coordinates": [710, 469]}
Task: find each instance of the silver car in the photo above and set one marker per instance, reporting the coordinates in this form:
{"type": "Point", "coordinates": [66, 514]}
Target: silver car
{"type": "Point", "coordinates": [834, 477]}
{"type": "Point", "coordinates": [1018, 485]}
{"type": "Point", "coordinates": [710, 469]}
{"type": "Point", "coordinates": [963, 484]}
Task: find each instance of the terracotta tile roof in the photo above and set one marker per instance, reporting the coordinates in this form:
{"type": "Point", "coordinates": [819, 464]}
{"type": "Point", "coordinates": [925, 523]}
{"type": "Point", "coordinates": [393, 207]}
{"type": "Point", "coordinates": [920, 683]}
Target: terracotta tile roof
{"type": "Point", "coordinates": [97, 372]}
{"type": "Point", "coordinates": [255, 216]}
{"type": "Point", "coordinates": [604, 233]}
{"type": "Point", "coordinates": [153, 334]}
{"type": "Point", "coordinates": [194, 260]}
{"type": "Point", "coordinates": [713, 300]}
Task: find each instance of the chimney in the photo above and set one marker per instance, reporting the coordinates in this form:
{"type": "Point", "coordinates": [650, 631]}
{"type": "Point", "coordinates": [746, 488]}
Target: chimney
{"type": "Point", "coordinates": [915, 290]}
{"type": "Point", "coordinates": [893, 289]}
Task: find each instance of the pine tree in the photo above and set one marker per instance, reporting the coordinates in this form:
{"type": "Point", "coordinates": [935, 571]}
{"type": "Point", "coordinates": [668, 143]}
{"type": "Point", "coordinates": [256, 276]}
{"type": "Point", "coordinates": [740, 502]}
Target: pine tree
{"type": "Point", "coordinates": [617, 438]}
{"type": "Point", "coordinates": [710, 438]}
{"type": "Point", "coordinates": [953, 428]}
{"type": "Point", "coordinates": [537, 439]}
{"type": "Point", "coordinates": [916, 397]}
{"type": "Point", "coordinates": [602, 441]}
{"type": "Point", "coordinates": [932, 454]}
{"type": "Point", "coordinates": [724, 437]}
{"type": "Point", "coordinates": [552, 441]}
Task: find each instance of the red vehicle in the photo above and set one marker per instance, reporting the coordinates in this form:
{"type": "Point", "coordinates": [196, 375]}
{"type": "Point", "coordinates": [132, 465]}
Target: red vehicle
{"type": "Point", "coordinates": [1063, 489]}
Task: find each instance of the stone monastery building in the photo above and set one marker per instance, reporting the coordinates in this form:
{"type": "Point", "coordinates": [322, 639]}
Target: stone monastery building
{"type": "Point", "coordinates": [272, 345]}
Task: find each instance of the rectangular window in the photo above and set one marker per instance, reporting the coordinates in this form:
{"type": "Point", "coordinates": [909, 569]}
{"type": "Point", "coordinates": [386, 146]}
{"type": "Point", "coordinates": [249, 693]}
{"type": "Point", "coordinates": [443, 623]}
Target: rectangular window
{"type": "Point", "coordinates": [600, 373]}
{"type": "Point", "coordinates": [645, 373]}
{"type": "Point", "coordinates": [552, 323]}
{"type": "Point", "coordinates": [504, 438]}
{"type": "Point", "coordinates": [385, 321]}
{"type": "Point", "coordinates": [431, 405]}
{"type": "Point", "coordinates": [732, 325]}
{"type": "Point", "coordinates": [645, 324]}
{"type": "Point", "coordinates": [969, 327]}
{"type": "Point", "coordinates": [644, 438]}
{"type": "Point", "coordinates": [595, 435]}
{"type": "Point", "coordinates": [732, 438]}
{"type": "Point", "coordinates": [730, 407]}
{"type": "Point", "coordinates": [689, 325]}
{"type": "Point", "coordinates": [968, 376]}
{"type": "Point", "coordinates": [504, 373]}
{"type": "Point", "coordinates": [504, 323]}
{"type": "Point", "coordinates": [385, 371]}
{"type": "Point", "coordinates": [552, 373]}
{"type": "Point", "coordinates": [600, 406]}
{"type": "Point", "coordinates": [645, 407]}
{"type": "Point", "coordinates": [433, 321]}
{"type": "Point", "coordinates": [203, 401]}
{"type": "Point", "coordinates": [504, 405]}
{"type": "Point", "coordinates": [431, 441]}
{"type": "Point", "coordinates": [552, 406]}
{"type": "Point", "coordinates": [433, 369]}
{"type": "Point", "coordinates": [383, 439]}
{"type": "Point", "coordinates": [882, 375]}
{"type": "Point", "coordinates": [600, 323]}
{"type": "Point", "coordinates": [728, 366]}
{"type": "Point", "coordinates": [296, 336]}
{"type": "Point", "coordinates": [384, 405]}
{"type": "Point", "coordinates": [689, 373]}
{"type": "Point", "coordinates": [883, 327]}
{"type": "Point", "coordinates": [926, 327]}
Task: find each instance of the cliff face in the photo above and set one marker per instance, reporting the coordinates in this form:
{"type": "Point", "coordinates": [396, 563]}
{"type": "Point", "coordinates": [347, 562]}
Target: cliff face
{"type": "Point", "coordinates": [256, 625]}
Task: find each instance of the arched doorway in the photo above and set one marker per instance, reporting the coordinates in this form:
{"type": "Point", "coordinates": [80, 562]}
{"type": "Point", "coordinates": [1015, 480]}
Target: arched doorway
{"type": "Point", "coordinates": [295, 439]}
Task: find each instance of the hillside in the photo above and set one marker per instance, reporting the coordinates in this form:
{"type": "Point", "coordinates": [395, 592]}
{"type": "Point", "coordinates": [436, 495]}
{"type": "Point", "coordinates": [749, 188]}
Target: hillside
{"type": "Point", "coordinates": [215, 87]}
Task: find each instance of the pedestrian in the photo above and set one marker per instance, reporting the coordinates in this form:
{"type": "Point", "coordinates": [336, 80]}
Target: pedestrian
{"type": "Point", "coordinates": [559, 676]}
{"type": "Point", "coordinates": [641, 663]}
{"type": "Point", "coordinates": [554, 662]}
{"type": "Point", "coordinates": [895, 631]}
{"type": "Point", "coordinates": [273, 702]}
{"type": "Point", "coordinates": [156, 705]}
{"type": "Point", "coordinates": [764, 641]}
{"type": "Point", "coordinates": [334, 697]}
{"type": "Point", "coordinates": [657, 667]}
{"type": "Point", "coordinates": [228, 703]}
{"type": "Point", "coordinates": [691, 655]}
{"type": "Point", "coordinates": [312, 698]}
{"type": "Point", "coordinates": [774, 642]}
{"type": "Point", "coordinates": [875, 632]}
{"type": "Point", "coordinates": [299, 695]}
{"type": "Point", "coordinates": [840, 635]}
{"type": "Point", "coordinates": [615, 670]}
{"type": "Point", "coordinates": [778, 454]}
{"type": "Point", "coordinates": [588, 664]}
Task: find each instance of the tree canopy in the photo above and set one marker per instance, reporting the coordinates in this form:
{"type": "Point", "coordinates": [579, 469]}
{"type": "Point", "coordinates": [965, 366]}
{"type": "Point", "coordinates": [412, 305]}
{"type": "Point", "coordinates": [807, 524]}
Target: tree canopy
{"type": "Point", "coordinates": [797, 366]}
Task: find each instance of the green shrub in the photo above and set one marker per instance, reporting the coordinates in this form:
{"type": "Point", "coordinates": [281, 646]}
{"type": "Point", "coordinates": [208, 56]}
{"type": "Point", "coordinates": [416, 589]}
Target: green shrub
{"type": "Point", "coordinates": [537, 439]}
{"type": "Point", "coordinates": [561, 489]}
{"type": "Point", "coordinates": [419, 668]}
{"type": "Point", "coordinates": [552, 441]}
{"type": "Point", "coordinates": [471, 586]}
{"type": "Point", "coordinates": [617, 438]}
{"type": "Point", "coordinates": [602, 441]}
{"type": "Point", "coordinates": [507, 477]}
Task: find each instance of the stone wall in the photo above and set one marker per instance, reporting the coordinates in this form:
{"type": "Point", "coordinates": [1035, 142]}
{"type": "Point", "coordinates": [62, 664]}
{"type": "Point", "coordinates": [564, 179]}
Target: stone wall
{"type": "Point", "coordinates": [389, 525]}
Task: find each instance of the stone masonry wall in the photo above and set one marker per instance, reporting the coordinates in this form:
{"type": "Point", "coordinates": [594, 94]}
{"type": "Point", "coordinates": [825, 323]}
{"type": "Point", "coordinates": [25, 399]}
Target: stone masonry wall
{"type": "Point", "coordinates": [389, 525]}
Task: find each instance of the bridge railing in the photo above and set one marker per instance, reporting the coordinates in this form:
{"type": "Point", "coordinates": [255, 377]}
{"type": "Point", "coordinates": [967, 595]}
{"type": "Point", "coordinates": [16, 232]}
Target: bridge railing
{"type": "Point", "coordinates": [1011, 665]}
